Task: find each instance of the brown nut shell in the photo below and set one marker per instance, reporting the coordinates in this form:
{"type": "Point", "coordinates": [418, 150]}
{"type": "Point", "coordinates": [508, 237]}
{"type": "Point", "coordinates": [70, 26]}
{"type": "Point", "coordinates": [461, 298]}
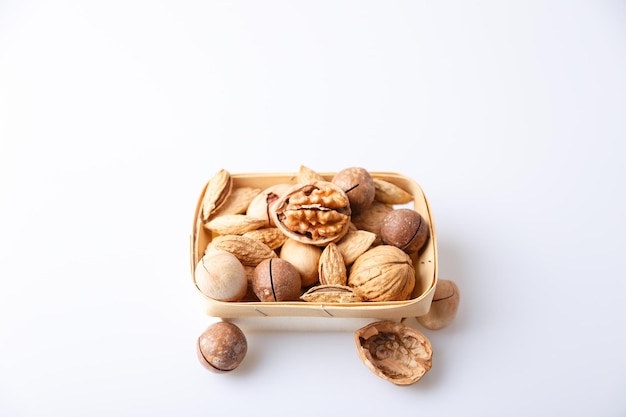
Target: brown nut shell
{"type": "Point", "coordinates": [394, 351]}
{"type": "Point", "coordinates": [444, 306]}
{"type": "Point", "coordinates": [358, 185]}
{"type": "Point", "coordinates": [222, 347]}
{"type": "Point", "coordinates": [405, 229]}
{"type": "Point", "coordinates": [276, 280]}
{"type": "Point", "coordinates": [316, 213]}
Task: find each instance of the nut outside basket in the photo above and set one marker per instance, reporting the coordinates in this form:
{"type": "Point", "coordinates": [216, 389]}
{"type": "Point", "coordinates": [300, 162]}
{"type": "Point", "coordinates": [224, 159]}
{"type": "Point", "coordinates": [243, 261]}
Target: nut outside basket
{"type": "Point", "coordinates": [425, 263]}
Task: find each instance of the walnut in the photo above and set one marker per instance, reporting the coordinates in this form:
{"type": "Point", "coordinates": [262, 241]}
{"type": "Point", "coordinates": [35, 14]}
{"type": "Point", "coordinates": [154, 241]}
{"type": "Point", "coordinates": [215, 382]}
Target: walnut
{"type": "Point", "coordinates": [383, 273]}
{"type": "Point", "coordinates": [394, 351]}
{"type": "Point", "coordinates": [316, 213]}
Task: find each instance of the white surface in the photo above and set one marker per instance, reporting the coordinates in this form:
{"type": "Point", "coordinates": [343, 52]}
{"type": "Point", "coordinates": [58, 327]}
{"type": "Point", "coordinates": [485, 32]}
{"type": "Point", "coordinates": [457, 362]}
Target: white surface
{"type": "Point", "coordinates": [114, 114]}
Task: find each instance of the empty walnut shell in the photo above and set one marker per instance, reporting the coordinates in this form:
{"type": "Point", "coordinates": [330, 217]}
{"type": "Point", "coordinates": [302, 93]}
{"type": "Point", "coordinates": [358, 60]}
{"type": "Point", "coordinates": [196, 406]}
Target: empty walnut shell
{"type": "Point", "coordinates": [317, 213]}
{"type": "Point", "coordinates": [394, 351]}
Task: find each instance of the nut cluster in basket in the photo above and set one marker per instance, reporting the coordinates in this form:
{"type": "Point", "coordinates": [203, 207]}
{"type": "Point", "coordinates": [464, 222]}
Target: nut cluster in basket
{"type": "Point", "coordinates": [343, 239]}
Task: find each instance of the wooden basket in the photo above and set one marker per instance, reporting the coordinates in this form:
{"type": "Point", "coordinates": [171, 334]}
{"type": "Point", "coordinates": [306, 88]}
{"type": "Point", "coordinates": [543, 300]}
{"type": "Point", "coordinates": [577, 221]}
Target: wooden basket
{"type": "Point", "coordinates": [425, 263]}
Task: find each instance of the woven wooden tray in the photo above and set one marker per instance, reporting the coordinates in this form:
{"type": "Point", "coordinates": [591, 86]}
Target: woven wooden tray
{"type": "Point", "coordinates": [425, 263]}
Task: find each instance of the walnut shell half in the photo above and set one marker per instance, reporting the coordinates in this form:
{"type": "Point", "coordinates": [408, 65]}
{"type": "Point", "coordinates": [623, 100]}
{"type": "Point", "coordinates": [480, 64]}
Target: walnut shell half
{"type": "Point", "coordinates": [394, 351]}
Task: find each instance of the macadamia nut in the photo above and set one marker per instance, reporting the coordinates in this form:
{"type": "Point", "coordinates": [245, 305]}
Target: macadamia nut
{"type": "Point", "coordinates": [276, 280]}
{"type": "Point", "coordinates": [444, 306]}
{"type": "Point", "coordinates": [405, 229]}
{"type": "Point", "coordinates": [222, 347]}
{"type": "Point", "coordinates": [221, 276]}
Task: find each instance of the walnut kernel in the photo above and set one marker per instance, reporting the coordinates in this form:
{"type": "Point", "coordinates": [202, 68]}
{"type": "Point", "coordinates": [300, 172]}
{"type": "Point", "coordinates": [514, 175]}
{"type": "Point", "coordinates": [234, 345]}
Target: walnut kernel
{"type": "Point", "coordinates": [314, 213]}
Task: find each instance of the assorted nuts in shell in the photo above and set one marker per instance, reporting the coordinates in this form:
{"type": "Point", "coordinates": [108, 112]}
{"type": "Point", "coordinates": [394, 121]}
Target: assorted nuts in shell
{"type": "Point", "coordinates": [337, 230]}
{"type": "Point", "coordinates": [346, 238]}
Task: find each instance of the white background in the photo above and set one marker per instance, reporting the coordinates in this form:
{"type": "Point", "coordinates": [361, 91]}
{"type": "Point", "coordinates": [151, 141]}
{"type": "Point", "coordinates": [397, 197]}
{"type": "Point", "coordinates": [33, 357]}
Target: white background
{"type": "Point", "coordinates": [113, 115]}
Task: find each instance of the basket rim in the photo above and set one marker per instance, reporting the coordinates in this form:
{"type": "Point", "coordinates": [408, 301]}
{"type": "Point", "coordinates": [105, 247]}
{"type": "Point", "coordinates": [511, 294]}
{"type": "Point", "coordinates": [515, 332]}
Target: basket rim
{"type": "Point", "coordinates": [361, 309]}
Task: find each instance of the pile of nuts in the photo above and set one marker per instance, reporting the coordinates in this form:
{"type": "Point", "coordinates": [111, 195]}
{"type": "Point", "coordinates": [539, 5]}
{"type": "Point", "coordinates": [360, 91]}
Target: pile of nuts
{"type": "Point", "coordinates": [316, 241]}
{"type": "Point", "coordinates": [330, 241]}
